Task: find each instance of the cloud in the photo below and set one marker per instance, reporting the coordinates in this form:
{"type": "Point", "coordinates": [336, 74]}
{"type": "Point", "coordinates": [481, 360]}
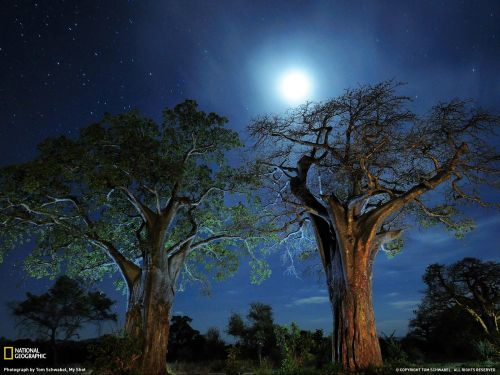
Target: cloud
{"type": "Point", "coordinates": [404, 304]}
{"type": "Point", "coordinates": [392, 272]}
{"type": "Point", "coordinates": [315, 300]}
{"type": "Point", "coordinates": [488, 221]}
{"type": "Point", "coordinates": [392, 294]}
{"type": "Point", "coordinates": [431, 236]}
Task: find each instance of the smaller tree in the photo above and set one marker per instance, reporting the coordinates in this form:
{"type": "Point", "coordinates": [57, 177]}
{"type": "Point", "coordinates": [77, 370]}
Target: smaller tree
{"type": "Point", "coordinates": [258, 333]}
{"type": "Point", "coordinates": [215, 347]}
{"type": "Point", "coordinates": [184, 342]}
{"type": "Point", "coordinates": [301, 348]}
{"type": "Point", "coordinates": [62, 311]}
{"type": "Point", "coordinates": [461, 302]}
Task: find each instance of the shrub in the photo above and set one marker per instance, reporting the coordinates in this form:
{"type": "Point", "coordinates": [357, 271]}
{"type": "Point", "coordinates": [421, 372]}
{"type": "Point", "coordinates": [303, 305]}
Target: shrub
{"type": "Point", "coordinates": [486, 350]}
{"type": "Point", "coordinates": [392, 350]}
{"type": "Point", "coordinates": [232, 362]}
{"type": "Point", "coordinates": [116, 355]}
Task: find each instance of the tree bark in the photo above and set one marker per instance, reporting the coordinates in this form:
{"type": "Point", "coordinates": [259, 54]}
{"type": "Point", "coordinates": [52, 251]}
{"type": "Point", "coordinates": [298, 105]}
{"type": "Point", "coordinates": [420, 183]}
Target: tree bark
{"type": "Point", "coordinates": [348, 271]}
{"type": "Point", "coordinates": [157, 326]}
{"type": "Point", "coordinates": [133, 316]}
{"type": "Point", "coordinates": [357, 336]}
{"type": "Point", "coordinates": [347, 263]}
{"type": "Point", "coordinates": [327, 248]}
{"type": "Point", "coordinates": [153, 298]}
{"type": "Point", "coordinates": [152, 289]}
{"type": "Point", "coordinates": [148, 317]}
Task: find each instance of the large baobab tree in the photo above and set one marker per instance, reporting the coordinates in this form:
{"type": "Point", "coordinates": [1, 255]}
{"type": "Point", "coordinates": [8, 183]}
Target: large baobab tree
{"type": "Point", "coordinates": [145, 198]}
{"type": "Point", "coordinates": [355, 167]}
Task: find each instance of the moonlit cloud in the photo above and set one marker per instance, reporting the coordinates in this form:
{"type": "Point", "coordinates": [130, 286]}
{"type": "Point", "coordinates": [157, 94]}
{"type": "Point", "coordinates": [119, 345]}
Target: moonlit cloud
{"type": "Point", "coordinates": [404, 304]}
{"type": "Point", "coordinates": [431, 236]}
{"type": "Point", "coordinates": [311, 300]}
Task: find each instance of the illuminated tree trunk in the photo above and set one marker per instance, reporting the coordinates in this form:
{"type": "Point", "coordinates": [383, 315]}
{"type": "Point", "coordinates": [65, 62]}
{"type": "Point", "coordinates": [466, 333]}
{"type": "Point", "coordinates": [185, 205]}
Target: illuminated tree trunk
{"type": "Point", "coordinates": [152, 296]}
{"type": "Point", "coordinates": [357, 342]}
{"type": "Point", "coordinates": [158, 302]}
{"type": "Point", "coordinates": [348, 273]}
{"type": "Point", "coordinates": [133, 316]}
{"type": "Point", "coordinates": [148, 317]}
{"type": "Point", "coordinates": [346, 256]}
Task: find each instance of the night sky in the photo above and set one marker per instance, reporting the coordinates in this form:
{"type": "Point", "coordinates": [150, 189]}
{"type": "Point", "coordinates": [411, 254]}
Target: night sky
{"type": "Point", "coordinates": [64, 63]}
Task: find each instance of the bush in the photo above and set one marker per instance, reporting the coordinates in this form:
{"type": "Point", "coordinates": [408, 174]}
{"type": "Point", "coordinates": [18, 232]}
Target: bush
{"type": "Point", "coordinates": [116, 355]}
{"type": "Point", "coordinates": [232, 362]}
{"type": "Point", "coordinates": [486, 350]}
{"type": "Point", "coordinates": [265, 367]}
{"type": "Point", "coordinates": [392, 351]}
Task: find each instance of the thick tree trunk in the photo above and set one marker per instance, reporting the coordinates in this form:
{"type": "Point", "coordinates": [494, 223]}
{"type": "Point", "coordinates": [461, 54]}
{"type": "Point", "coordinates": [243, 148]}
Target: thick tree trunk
{"type": "Point", "coordinates": [148, 317]}
{"type": "Point", "coordinates": [357, 340]}
{"type": "Point", "coordinates": [357, 337]}
{"type": "Point", "coordinates": [348, 273]}
{"type": "Point", "coordinates": [133, 316]}
{"type": "Point", "coordinates": [157, 325]}
{"type": "Point", "coordinates": [159, 275]}
{"type": "Point", "coordinates": [332, 265]}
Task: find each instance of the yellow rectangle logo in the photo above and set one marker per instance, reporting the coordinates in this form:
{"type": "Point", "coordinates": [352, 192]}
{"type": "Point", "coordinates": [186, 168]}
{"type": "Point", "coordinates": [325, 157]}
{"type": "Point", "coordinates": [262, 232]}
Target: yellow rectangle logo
{"type": "Point", "coordinates": [6, 351]}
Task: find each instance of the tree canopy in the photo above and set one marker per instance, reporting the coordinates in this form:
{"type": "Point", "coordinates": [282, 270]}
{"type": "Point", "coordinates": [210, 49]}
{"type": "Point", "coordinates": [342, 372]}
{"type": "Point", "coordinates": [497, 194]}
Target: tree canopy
{"type": "Point", "coordinates": [87, 199]}
{"type": "Point", "coordinates": [368, 151]}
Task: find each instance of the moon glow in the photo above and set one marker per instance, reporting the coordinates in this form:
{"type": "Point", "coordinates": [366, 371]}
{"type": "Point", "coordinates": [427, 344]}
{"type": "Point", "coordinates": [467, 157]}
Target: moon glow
{"type": "Point", "coordinates": [295, 86]}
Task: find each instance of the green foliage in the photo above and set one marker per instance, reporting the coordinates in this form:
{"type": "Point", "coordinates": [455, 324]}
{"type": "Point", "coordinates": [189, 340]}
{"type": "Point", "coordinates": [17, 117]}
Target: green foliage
{"type": "Point", "coordinates": [302, 351]}
{"type": "Point", "coordinates": [232, 362]}
{"type": "Point", "coordinates": [265, 367]}
{"type": "Point", "coordinates": [394, 247]}
{"type": "Point", "coordinates": [486, 350]}
{"type": "Point", "coordinates": [295, 348]}
{"type": "Point", "coordinates": [392, 350]}
{"type": "Point", "coordinates": [332, 369]}
{"type": "Point", "coordinates": [74, 199]}
{"type": "Point", "coordinates": [116, 355]}
{"type": "Point", "coordinates": [446, 215]}
{"type": "Point", "coordinates": [256, 336]}
{"type": "Point", "coordinates": [287, 338]}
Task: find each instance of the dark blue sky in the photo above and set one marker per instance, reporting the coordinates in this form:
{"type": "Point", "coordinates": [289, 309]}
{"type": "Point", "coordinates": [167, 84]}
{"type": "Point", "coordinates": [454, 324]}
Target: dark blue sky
{"type": "Point", "coordinates": [64, 63]}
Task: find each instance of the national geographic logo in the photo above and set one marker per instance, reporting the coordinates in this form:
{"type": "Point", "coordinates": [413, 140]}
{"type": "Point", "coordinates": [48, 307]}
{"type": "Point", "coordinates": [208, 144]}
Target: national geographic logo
{"type": "Point", "coordinates": [10, 353]}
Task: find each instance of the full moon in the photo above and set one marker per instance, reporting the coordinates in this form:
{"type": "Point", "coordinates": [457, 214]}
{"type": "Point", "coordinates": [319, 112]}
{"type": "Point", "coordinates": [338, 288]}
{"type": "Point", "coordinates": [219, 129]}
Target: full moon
{"type": "Point", "coordinates": [295, 86]}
